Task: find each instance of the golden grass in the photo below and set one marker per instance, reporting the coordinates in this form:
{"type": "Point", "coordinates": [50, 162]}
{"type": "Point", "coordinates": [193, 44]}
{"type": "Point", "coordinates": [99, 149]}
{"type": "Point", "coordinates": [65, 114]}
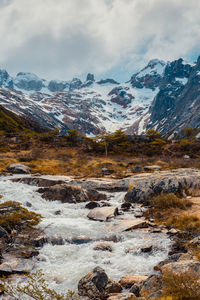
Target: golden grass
{"type": "Point", "coordinates": [185, 222]}
{"type": "Point", "coordinates": [183, 286]}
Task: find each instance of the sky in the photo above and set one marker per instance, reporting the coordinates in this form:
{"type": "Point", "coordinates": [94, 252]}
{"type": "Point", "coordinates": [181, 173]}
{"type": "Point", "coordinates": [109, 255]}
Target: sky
{"type": "Point", "coordinates": [62, 39]}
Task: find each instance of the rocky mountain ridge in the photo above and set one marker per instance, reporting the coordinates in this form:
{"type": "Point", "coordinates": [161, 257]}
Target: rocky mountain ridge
{"type": "Point", "coordinates": [162, 96]}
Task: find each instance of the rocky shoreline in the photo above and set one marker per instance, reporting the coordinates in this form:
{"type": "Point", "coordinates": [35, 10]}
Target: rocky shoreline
{"type": "Point", "coordinates": [93, 192]}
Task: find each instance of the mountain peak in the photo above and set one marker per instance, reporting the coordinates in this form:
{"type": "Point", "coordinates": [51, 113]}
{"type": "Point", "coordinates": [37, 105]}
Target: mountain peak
{"type": "Point", "coordinates": [90, 77]}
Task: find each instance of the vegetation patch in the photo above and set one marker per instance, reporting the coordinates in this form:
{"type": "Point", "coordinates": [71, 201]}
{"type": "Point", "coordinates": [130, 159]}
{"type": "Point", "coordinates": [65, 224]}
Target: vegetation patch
{"type": "Point", "coordinates": [35, 287]}
{"type": "Point", "coordinates": [183, 286]}
{"type": "Point", "coordinates": [14, 216]}
{"type": "Point", "coordinates": [185, 222]}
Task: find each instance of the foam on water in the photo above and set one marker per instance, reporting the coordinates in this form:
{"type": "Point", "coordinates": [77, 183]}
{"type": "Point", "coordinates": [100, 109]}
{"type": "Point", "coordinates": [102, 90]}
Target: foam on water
{"type": "Point", "coordinates": [64, 265]}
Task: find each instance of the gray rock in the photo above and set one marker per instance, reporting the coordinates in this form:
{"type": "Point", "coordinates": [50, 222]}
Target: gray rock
{"type": "Point", "coordinates": [64, 193]}
{"type": "Point", "coordinates": [19, 169]}
{"type": "Point", "coordinates": [92, 205]}
{"type": "Point", "coordinates": [174, 181]}
{"type": "Point", "coordinates": [128, 225]}
{"type": "Point", "coordinates": [103, 247]}
{"type": "Point", "coordinates": [147, 248]}
{"type": "Point", "coordinates": [123, 296]}
{"type": "Point", "coordinates": [102, 213]}
{"type": "Point", "coordinates": [195, 241]}
{"type": "Point", "coordinates": [81, 239]}
{"type": "Point", "coordinates": [12, 264]}
{"type": "Point", "coordinates": [152, 168]}
{"type": "Point", "coordinates": [106, 171]}
{"type": "Point", "coordinates": [137, 169]}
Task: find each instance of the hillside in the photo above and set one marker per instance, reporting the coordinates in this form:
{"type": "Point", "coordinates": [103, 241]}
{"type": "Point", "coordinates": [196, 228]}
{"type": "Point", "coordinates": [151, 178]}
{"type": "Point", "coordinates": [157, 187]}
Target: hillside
{"type": "Point", "coordinates": [12, 123]}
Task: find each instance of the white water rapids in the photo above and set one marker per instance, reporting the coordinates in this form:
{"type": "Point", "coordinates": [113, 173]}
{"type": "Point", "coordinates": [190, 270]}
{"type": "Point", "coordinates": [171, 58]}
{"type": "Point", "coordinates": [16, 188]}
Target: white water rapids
{"type": "Point", "coordinates": [66, 264]}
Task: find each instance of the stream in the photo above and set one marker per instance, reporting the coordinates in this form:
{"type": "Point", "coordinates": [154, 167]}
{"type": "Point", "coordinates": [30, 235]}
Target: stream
{"type": "Point", "coordinates": [64, 265]}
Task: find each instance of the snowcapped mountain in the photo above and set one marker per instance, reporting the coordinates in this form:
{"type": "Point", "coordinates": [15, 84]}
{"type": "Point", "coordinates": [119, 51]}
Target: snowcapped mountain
{"type": "Point", "coordinates": [151, 98]}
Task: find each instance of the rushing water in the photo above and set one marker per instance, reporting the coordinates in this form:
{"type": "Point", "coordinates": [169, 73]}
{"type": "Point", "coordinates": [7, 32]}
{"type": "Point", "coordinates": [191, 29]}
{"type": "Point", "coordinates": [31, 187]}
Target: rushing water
{"type": "Point", "coordinates": [65, 264]}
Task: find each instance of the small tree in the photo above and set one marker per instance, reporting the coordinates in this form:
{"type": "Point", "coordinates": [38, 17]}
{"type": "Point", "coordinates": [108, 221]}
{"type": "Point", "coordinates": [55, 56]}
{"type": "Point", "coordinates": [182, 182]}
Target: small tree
{"type": "Point", "coordinates": [152, 134]}
{"type": "Point", "coordinates": [73, 137]}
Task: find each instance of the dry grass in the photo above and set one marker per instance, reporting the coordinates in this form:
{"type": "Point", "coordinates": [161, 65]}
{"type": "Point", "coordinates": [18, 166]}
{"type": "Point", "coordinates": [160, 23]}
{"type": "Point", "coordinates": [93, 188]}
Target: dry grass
{"type": "Point", "coordinates": [60, 158]}
{"type": "Point", "coordinates": [183, 286]}
{"type": "Point", "coordinates": [165, 206]}
{"type": "Point", "coordinates": [167, 201]}
{"type": "Point", "coordinates": [185, 222]}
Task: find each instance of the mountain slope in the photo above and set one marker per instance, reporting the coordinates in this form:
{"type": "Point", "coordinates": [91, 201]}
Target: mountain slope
{"type": "Point", "coordinates": [163, 96]}
{"type": "Point", "coordinates": [11, 123]}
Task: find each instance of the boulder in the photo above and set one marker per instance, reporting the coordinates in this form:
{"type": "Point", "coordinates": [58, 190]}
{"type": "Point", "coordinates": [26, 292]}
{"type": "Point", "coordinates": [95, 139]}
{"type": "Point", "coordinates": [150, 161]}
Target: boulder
{"type": "Point", "coordinates": [123, 296]}
{"type": "Point", "coordinates": [38, 181]}
{"type": "Point", "coordinates": [152, 285]}
{"type": "Point", "coordinates": [40, 240]}
{"type": "Point", "coordinates": [126, 206]}
{"type": "Point", "coordinates": [182, 266]}
{"type": "Point", "coordinates": [195, 241]}
{"type": "Point", "coordinates": [97, 285]}
{"type": "Point", "coordinates": [152, 168]}
{"type": "Point", "coordinates": [103, 213]}
{"type": "Point", "coordinates": [56, 240]}
{"type": "Point", "coordinates": [128, 224]}
{"type": "Point", "coordinates": [92, 205]}
{"type": "Point", "coordinates": [69, 193]}
{"type": "Point", "coordinates": [81, 239]}
{"type": "Point", "coordinates": [12, 264]}
{"type": "Point", "coordinates": [103, 247]}
{"type": "Point", "coordinates": [19, 169]}
{"type": "Point", "coordinates": [127, 281]}
{"type": "Point", "coordinates": [94, 195]}
{"type": "Point", "coordinates": [147, 248]}
{"type": "Point", "coordinates": [64, 193]}
{"type": "Point", "coordinates": [106, 171]}
{"type": "Point", "coordinates": [146, 186]}
{"type": "Point", "coordinates": [137, 169]}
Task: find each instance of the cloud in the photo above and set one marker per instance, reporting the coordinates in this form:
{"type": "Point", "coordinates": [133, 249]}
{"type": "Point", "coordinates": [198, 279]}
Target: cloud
{"type": "Point", "coordinates": [66, 38]}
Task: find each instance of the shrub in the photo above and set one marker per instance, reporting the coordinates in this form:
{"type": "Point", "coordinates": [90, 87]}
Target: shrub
{"type": "Point", "coordinates": [14, 216]}
{"type": "Point", "coordinates": [36, 288]}
{"type": "Point", "coordinates": [166, 201]}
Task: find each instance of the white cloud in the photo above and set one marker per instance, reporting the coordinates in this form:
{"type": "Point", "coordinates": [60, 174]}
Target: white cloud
{"type": "Point", "coordinates": [63, 38]}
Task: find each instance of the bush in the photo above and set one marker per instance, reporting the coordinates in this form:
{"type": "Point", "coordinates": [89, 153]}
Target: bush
{"type": "Point", "coordinates": [167, 201]}
{"type": "Point", "coordinates": [36, 288]}
{"type": "Point", "coordinates": [14, 216]}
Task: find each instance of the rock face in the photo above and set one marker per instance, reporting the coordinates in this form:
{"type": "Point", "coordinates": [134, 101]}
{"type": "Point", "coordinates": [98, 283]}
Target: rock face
{"type": "Point", "coordinates": [102, 213]}
{"type": "Point", "coordinates": [179, 90]}
{"type": "Point", "coordinates": [176, 181]}
{"type": "Point", "coordinates": [163, 96]}
{"type": "Point", "coordinates": [97, 285]}
{"type": "Point", "coordinates": [19, 169]}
